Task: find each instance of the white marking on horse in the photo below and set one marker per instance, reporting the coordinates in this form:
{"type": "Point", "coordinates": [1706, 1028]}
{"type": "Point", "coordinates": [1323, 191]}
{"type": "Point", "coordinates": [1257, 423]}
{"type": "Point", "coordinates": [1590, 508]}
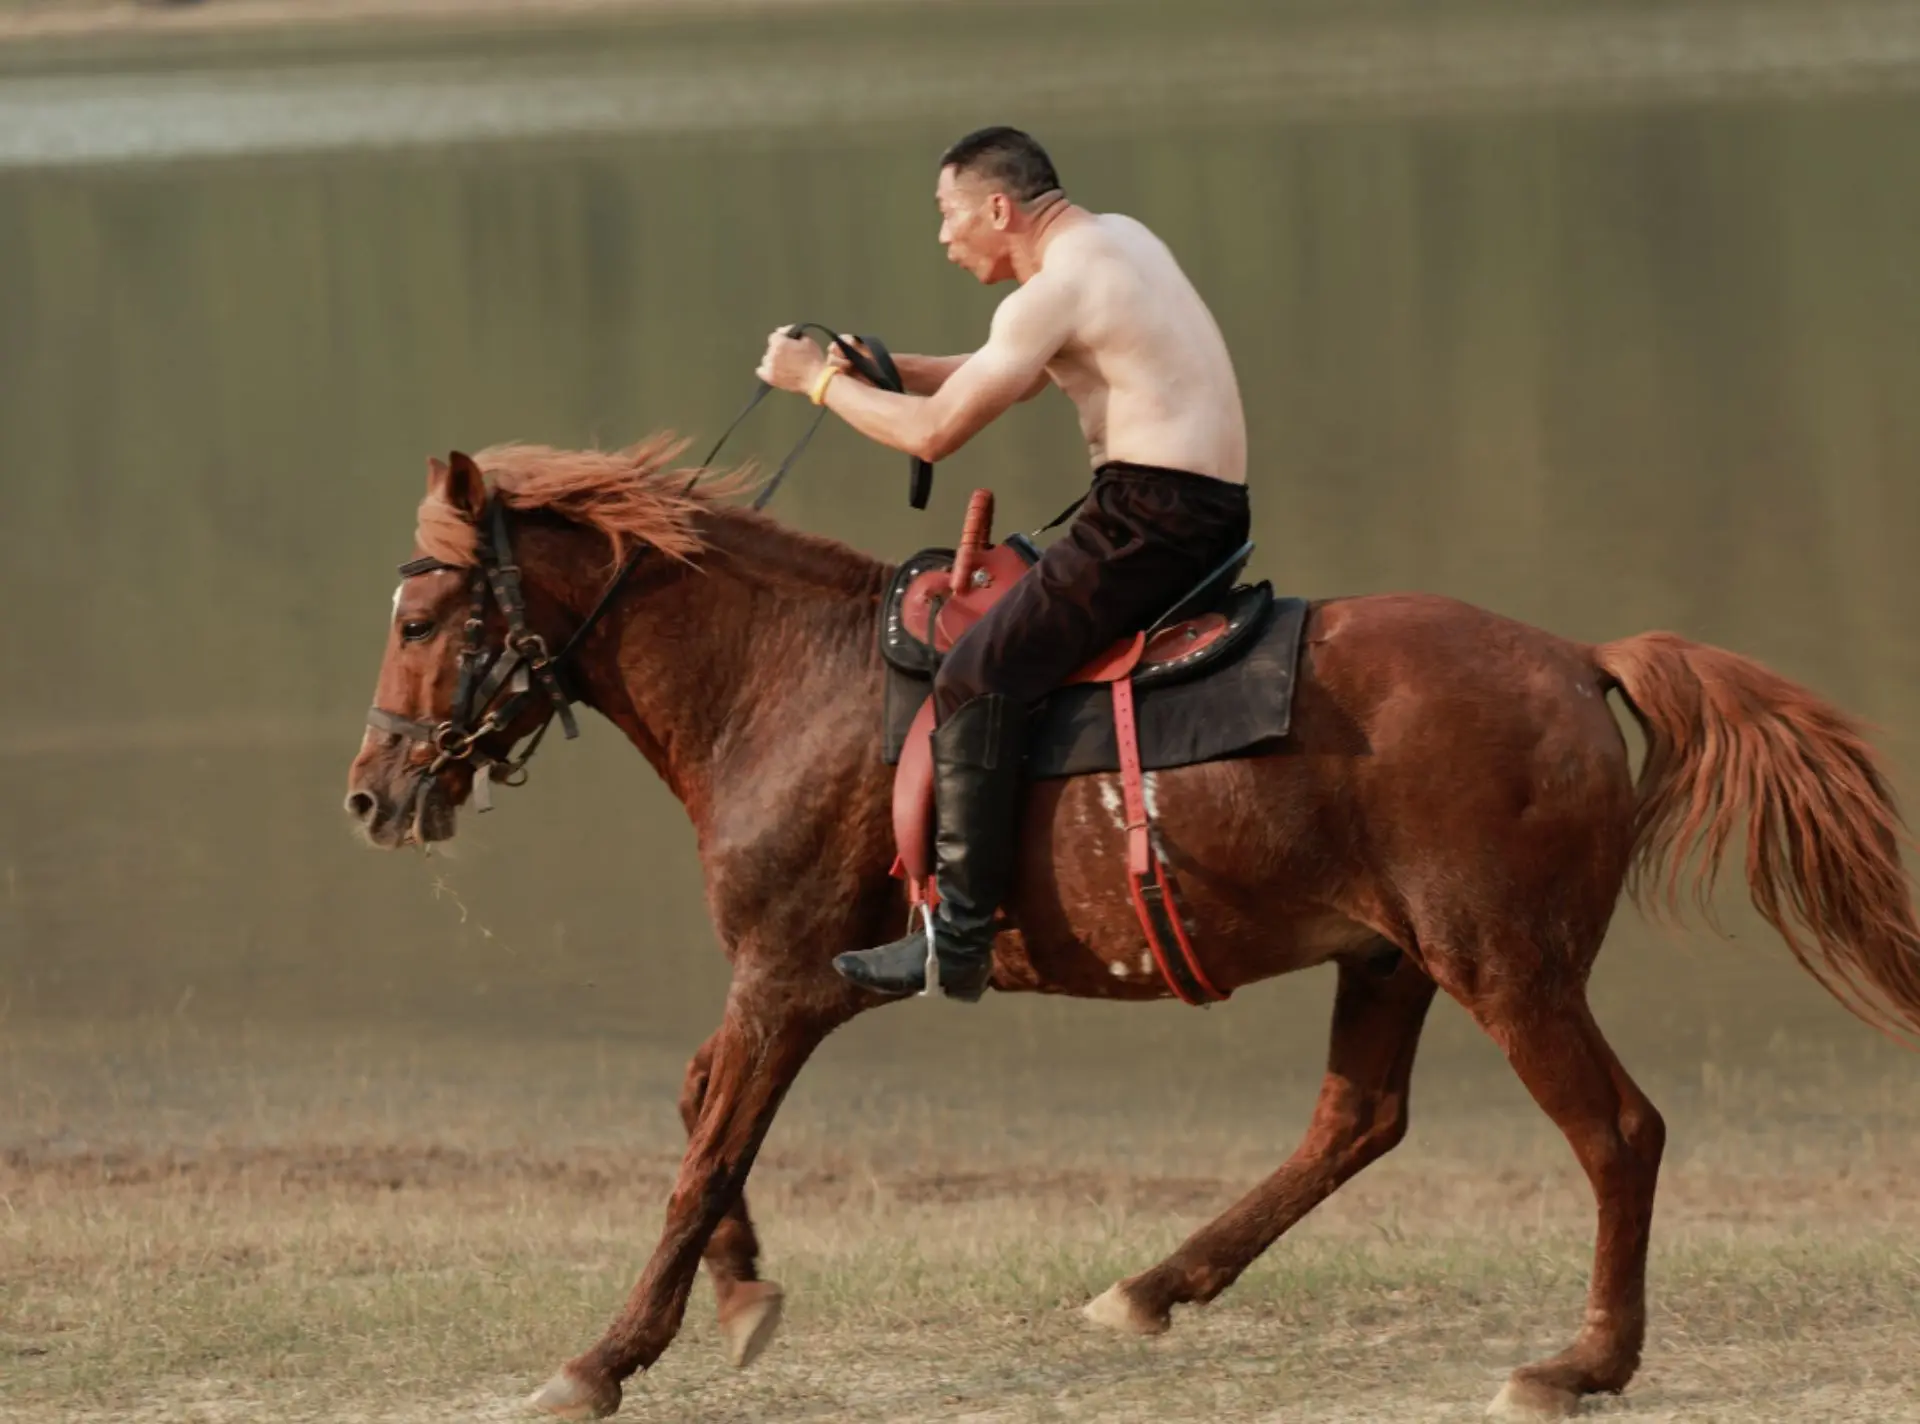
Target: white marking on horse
{"type": "Point", "coordinates": [1146, 961]}
{"type": "Point", "coordinates": [1118, 969]}
{"type": "Point", "coordinates": [1152, 795]}
{"type": "Point", "coordinates": [1110, 798]}
{"type": "Point", "coordinates": [398, 589]}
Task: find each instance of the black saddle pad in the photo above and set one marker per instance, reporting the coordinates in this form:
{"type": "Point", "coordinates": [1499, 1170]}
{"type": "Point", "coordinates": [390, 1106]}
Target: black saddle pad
{"type": "Point", "coordinates": [1230, 707]}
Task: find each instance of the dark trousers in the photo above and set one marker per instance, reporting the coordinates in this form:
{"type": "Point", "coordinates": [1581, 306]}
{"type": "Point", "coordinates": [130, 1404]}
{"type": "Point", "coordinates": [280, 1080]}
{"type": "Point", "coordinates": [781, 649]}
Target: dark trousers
{"type": "Point", "coordinates": [1144, 537]}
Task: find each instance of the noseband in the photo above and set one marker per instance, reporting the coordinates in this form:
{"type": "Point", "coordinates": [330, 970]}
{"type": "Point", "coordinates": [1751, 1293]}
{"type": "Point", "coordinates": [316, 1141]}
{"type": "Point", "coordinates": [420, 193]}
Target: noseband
{"type": "Point", "coordinates": [495, 684]}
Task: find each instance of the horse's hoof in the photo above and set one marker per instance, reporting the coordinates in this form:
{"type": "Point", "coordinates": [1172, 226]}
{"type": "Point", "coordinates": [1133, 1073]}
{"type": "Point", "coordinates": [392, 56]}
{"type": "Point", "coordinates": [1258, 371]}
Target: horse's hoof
{"type": "Point", "coordinates": [567, 1396]}
{"type": "Point", "coordinates": [1117, 1310]}
{"type": "Point", "coordinates": [749, 1320]}
{"type": "Point", "coordinates": [1529, 1400]}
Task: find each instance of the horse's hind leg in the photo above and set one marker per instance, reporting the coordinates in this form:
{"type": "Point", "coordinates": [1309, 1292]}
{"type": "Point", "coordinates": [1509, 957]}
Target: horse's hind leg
{"type": "Point", "coordinates": [749, 1307]}
{"type": "Point", "coordinates": [1361, 1115]}
{"type": "Point", "coordinates": [1555, 1046]}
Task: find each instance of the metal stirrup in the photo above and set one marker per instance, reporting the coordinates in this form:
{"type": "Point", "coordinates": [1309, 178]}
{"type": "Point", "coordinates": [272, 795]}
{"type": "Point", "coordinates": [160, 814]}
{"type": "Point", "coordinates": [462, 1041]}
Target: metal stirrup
{"type": "Point", "coordinates": [933, 956]}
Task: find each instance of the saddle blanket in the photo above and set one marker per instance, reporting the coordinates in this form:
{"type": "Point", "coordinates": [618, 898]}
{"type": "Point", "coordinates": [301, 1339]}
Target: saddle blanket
{"type": "Point", "coordinates": [1234, 708]}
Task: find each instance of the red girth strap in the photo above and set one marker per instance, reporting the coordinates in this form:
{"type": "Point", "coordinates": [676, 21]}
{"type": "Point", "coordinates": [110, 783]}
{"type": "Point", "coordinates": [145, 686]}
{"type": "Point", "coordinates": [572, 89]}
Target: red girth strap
{"type": "Point", "coordinates": [1153, 899]}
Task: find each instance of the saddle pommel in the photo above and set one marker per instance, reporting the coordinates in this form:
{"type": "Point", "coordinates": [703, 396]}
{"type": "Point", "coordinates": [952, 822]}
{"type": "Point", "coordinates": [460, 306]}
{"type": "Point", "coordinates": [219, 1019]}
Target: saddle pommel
{"type": "Point", "coordinates": [974, 537]}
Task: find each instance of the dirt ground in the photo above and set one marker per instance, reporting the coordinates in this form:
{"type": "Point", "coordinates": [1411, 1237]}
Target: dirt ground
{"type": "Point", "coordinates": [394, 1233]}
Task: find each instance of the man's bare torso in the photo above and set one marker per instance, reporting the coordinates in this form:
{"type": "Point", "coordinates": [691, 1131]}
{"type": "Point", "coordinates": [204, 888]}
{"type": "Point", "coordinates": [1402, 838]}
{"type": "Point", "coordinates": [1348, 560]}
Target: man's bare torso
{"type": "Point", "coordinates": [1144, 363]}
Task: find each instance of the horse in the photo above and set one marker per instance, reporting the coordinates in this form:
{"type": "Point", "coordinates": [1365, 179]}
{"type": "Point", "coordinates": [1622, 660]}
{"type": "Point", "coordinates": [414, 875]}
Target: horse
{"type": "Point", "coordinates": [1453, 808]}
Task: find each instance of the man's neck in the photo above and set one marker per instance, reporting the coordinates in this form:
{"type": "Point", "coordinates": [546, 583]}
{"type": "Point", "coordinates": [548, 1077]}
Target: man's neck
{"type": "Point", "coordinates": [1052, 212]}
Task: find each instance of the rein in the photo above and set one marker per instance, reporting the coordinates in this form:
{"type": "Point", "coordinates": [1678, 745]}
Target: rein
{"type": "Point", "coordinates": [522, 660]}
{"type": "Point", "coordinates": [879, 371]}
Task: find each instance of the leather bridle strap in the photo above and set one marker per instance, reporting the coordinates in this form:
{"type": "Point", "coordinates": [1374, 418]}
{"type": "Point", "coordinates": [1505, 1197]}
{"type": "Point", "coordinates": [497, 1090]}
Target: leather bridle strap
{"type": "Point", "coordinates": [427, 564]}
{"type": "Point", "coordinates": [382, 720]}
{"type": "Point", "coordinates": [485, 674]}
{"type": "Point", "coordinates": [522, 642]}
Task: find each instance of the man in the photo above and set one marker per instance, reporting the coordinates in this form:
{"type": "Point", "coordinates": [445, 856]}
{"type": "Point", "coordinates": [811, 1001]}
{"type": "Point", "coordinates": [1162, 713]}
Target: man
{"type": "Point", "coordinates": [1104, 312]}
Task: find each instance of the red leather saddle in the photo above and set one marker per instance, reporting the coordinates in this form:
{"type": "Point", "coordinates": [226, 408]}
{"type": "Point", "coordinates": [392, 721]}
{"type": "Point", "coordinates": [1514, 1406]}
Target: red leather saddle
{"type": "Point", "coordinates": [939, 605]}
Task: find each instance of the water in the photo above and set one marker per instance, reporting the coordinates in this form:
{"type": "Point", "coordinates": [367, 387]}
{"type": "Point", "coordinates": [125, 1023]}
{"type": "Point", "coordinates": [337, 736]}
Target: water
{"type": "Point", "coordinates": [1606, 320]}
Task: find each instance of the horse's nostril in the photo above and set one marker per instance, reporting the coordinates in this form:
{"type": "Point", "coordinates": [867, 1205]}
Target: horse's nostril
{"type": "Point", "coordinates": [360, 805]}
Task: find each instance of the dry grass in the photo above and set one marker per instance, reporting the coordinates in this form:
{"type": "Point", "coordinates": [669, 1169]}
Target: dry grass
{"type": "Point", "coordinates": [371, 1242]}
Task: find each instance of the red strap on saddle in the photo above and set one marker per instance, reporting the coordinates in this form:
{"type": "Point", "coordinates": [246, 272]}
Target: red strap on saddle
{"type": "Point", "coordinates": [1133, 783]}
{"type": "Point", "coordinates": [1152, 894]}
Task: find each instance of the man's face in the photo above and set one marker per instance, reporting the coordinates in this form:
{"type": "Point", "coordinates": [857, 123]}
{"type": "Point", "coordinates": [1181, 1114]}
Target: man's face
{"type": "Point", "coordinates": [973, 225]}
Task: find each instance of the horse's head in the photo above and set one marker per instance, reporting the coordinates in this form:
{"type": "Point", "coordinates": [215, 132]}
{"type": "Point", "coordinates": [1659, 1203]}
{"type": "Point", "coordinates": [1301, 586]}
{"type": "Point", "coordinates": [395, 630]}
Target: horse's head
{"type": "Point", "coordinates": [474, 663]}
{"type": "Point", "coordinates": [470, 668]}
{"type": "Point", "coordinates": [460, 678]}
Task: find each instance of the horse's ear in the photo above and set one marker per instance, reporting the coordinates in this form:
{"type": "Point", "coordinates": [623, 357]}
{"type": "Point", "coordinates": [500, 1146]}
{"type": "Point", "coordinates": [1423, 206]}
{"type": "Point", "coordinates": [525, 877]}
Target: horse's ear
{"type": "Point", "coordinates": [459, 483]}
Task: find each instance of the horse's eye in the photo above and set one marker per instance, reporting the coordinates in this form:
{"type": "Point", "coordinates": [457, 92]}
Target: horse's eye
{"type": "Point", "coordinates": [416, 630]}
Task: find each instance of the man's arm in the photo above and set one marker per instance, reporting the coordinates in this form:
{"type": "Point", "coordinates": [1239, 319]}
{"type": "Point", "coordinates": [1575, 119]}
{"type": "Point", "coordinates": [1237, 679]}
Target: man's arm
{"type": "Point", "coordinates": [1028, 329]}
{"type": "Point", "coordinates": [925, 375]}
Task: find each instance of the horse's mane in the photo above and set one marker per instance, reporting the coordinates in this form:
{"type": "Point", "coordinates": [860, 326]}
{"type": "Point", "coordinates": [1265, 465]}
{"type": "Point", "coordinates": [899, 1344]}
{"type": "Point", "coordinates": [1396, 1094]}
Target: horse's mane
{"type": "Point", "coordinates": [635, 494]}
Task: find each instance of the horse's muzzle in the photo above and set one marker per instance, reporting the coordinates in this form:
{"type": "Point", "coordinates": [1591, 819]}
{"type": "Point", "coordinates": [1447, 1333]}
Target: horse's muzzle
{"type": "Point", "coordinates": [424, 815]}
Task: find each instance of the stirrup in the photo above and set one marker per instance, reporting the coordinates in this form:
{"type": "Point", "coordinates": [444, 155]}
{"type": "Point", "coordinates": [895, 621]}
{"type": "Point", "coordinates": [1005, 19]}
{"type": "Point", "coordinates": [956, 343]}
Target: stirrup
{"type": "Point", "coordinates": [932, 988]}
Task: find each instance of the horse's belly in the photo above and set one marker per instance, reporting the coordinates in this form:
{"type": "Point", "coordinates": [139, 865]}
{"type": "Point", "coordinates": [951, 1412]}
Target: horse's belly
{"type": "Point", "coordinates": [1228, 860]}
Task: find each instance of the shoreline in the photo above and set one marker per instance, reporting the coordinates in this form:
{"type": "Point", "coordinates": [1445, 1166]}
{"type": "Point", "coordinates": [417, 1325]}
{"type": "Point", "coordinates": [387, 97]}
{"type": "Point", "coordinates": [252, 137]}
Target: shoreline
{"type": "Point", "coordinates": [26, 23]}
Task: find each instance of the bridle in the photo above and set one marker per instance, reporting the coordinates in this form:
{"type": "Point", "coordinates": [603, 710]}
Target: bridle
{"type": "Point", "coordinates": [496, 684]}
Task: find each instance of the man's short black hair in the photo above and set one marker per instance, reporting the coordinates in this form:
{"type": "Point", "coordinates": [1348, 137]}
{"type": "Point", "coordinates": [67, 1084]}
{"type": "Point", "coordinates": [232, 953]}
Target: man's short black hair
{"type": "Point", "coordinates": [1006, 156]}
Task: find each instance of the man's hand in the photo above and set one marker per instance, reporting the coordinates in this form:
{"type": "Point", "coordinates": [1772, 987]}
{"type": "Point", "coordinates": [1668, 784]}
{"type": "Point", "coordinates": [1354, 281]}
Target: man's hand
{"type": "Point", "coordinates": [792, 363]}
{"type": "Point", "coordinates": [838, 359]}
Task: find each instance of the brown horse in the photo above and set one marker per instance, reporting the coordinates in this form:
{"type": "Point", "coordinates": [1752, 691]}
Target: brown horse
{"type": "Point", "coordinates": [1454, 807]}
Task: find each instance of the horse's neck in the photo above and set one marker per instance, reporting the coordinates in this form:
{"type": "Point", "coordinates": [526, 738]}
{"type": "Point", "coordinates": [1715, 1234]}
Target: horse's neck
{"type": "Point", "coordinates": [692, 655]}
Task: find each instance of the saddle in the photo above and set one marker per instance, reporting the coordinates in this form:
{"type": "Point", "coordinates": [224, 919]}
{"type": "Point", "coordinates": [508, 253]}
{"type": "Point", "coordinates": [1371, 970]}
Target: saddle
{"type": "Point", "coordinates": [935, 597]}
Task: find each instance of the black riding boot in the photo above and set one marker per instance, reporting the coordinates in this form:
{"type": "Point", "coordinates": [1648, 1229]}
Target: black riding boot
{"type": "Point", "coordinates": [976, 793]}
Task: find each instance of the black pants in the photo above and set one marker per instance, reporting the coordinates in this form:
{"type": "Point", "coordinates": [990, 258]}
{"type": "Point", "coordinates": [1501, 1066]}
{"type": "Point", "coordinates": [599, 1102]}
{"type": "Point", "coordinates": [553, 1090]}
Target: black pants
{"type": "Point", "coordinates": [1144, 537]}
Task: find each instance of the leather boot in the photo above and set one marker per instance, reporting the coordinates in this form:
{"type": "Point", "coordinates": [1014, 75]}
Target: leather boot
{"type": "Point", "coordinates": [976, 797]}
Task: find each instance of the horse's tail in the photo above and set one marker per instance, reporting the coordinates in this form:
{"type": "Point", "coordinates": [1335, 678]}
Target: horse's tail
{"type": "Point", "coordinates": [1727, 738]}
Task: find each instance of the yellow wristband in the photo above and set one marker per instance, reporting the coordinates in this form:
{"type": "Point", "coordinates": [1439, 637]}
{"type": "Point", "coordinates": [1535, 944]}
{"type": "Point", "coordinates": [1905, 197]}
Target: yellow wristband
{"type": "Point", "coordinates": [818, 394]}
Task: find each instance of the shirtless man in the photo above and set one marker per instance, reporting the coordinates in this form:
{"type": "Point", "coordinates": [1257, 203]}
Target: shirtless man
{"type": "Point", "coordinates": [1104, 312]}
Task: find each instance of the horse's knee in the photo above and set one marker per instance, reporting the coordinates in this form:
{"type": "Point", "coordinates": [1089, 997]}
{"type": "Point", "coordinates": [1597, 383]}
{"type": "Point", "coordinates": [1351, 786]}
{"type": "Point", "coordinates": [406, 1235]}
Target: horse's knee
{"type": "Point", "coordinates": [1387, 1129]}
{"type": "Point", "coordinates": [1362, 1127]}
{"type": "Point", "coordinates": [1644, 1131]}
{"type": "Point", "coordinates": [1621, 1155]}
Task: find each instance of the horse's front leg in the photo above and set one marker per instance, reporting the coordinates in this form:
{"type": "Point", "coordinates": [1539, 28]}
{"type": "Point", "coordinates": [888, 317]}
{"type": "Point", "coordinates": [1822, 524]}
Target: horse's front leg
{"type": "Point", "coordinates": [763, 1040]}
{"type": "Point", "coordinates": [750, 1308]}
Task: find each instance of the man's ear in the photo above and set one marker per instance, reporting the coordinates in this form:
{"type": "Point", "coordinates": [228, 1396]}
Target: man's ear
{"type": "Point", "coordinates": [459, 483]}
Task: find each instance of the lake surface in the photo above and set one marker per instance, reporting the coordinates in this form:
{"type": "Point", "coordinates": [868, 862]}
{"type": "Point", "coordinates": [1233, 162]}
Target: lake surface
{"type": "Point", "coordinates": [1606, 319]}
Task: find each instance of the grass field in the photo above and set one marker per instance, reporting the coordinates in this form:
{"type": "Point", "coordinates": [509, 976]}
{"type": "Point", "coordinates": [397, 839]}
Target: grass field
{"type": "Point", "coordinates": [400, 1233]}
